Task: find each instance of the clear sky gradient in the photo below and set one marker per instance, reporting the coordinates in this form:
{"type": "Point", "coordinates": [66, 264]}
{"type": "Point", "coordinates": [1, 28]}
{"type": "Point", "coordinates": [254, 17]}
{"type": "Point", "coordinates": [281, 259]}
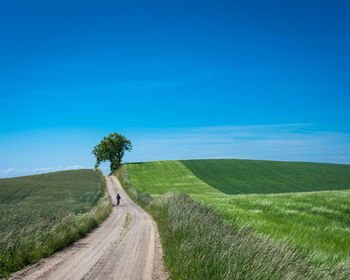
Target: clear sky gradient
{"type": "Point", "coordinates": [181, 79]}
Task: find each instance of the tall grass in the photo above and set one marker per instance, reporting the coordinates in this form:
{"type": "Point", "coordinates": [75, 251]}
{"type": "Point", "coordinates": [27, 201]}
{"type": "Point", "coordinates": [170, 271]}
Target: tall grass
{"type": "Point", "coordinates": [44, 213]}
{"type": "Point", "coordinates": [199, 245]}
{"type": "Point", "coordinates": [316, 222]}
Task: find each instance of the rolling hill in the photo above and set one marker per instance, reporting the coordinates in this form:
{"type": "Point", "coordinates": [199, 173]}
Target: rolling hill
{"type": "Point", "coordinates": [41, 214]}
{"type": "Point", "coordinates": [234, 176]}
{"type": "Point", "coordinates": [302, 204]}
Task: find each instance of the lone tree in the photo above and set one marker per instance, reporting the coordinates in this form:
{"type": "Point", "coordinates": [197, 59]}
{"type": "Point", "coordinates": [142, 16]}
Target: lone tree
{"type": "Point", "coordinates": [112, 148]}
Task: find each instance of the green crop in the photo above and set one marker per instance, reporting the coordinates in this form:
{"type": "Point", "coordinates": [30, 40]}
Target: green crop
{"type": "Point", "coordinates": [43, 213]}
{"type": "Point", "coordinates": [315, 223]}
{"type": "Point", "coordinates": [234, 176]}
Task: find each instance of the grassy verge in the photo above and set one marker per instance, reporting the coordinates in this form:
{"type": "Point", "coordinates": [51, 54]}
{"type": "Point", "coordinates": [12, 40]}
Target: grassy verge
{"type": "Point", "coordinates": [44, 213]}
{"type": "Point", "coordinates": [199, 245]}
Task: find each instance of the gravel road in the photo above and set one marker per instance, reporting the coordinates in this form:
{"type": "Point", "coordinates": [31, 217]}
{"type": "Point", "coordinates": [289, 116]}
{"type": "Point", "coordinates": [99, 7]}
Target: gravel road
{"type": "Point", "coordinates": [125, 246]}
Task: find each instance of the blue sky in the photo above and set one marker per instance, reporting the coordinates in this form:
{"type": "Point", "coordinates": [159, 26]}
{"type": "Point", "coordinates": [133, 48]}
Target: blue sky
{"type": "Point", "coordinates": [181, 79]}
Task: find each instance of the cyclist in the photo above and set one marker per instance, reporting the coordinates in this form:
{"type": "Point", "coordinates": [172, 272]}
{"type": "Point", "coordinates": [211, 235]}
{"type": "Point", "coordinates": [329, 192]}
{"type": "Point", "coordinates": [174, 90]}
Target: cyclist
{"type": "Point", "coordinates": [118, 198]}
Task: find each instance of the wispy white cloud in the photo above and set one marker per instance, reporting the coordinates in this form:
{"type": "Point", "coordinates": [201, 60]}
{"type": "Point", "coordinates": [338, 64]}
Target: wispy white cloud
{"type": "Point", "coordinates": [291, 142]}
{"type": "Point", "coordinates": [10, 172]}
{"type": "Point", "coordinates": [76, 166]}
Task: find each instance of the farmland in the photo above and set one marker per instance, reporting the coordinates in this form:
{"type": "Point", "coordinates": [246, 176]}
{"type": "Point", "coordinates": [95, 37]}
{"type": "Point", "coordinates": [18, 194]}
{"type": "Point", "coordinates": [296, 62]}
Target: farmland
{"type": "Point", "coordinates": [159, 177]}
{"type": "Point", "coordinates": [313, 222]}
{"type": "Point", "coordinates": [41, 214]}
{"type": "Point", "coordinates": [316, 222]}
{"type": "Point", "coordinates": [234, 176]}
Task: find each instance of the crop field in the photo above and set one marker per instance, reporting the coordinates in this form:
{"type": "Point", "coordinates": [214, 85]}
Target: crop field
{"type": "Point", "coordinates": [159, 177]}
{"type": "Point", "coordinates": [198, 244]}
{"type": "Point", "coordinates": [234, 176]}
{"type": "Point", "coordinates": [43, 213]}
{"type": "Point", "coordinates": [315, 222]}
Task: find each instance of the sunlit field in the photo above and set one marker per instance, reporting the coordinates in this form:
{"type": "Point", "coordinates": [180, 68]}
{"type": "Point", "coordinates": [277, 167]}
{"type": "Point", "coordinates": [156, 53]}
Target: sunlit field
{"type": "Point", "coordinates": [159, 177]}
{"type": "Point", "coordinates": [43, 213]}
{"type": "Point", "coordinates": [317, 223]}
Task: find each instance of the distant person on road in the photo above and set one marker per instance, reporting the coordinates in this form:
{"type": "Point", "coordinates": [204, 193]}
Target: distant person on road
{"type": "Point", "coordinates": [118, 198]}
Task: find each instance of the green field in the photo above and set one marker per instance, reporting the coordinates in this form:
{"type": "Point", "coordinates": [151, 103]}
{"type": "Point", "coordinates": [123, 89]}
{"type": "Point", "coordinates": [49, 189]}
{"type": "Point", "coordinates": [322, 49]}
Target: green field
{"type": "Point", "coordinates": [315, 222]}
{"type": "Point", "coordinates": [159, 177]}
{"type": "Point", "coordinates": [43, 213]}
{"type": "Point", "coordinates": [199, 244]}
{"type": "Point", "coordinates": [233, 176]}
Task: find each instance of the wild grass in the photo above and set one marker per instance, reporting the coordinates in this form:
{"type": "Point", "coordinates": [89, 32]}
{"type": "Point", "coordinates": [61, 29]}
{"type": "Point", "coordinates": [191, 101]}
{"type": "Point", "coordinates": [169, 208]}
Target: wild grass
{"type": "Point", "coordinates": [44, 213]}
{"type": "Point", "coordinates": [316, 222]}
{"type": "Point", "coordinates": [199, 245]}
{"type": "Point", "coordinates": [233, 176]}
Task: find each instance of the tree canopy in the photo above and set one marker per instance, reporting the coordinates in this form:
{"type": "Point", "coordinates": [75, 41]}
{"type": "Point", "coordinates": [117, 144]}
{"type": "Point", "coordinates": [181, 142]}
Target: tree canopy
{"type": "Point", "coordinates": [112, 149]}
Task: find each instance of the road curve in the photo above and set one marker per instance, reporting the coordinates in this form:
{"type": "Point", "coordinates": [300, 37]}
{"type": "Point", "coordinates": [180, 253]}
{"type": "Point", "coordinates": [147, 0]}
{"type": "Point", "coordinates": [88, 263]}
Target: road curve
{"type": "Point", "coordinates": [125, 246]}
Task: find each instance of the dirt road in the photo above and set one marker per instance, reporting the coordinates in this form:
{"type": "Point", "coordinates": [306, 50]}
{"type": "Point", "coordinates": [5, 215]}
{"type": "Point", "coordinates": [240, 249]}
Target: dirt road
{"type": "Point", "coordinates": [125, 246]}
